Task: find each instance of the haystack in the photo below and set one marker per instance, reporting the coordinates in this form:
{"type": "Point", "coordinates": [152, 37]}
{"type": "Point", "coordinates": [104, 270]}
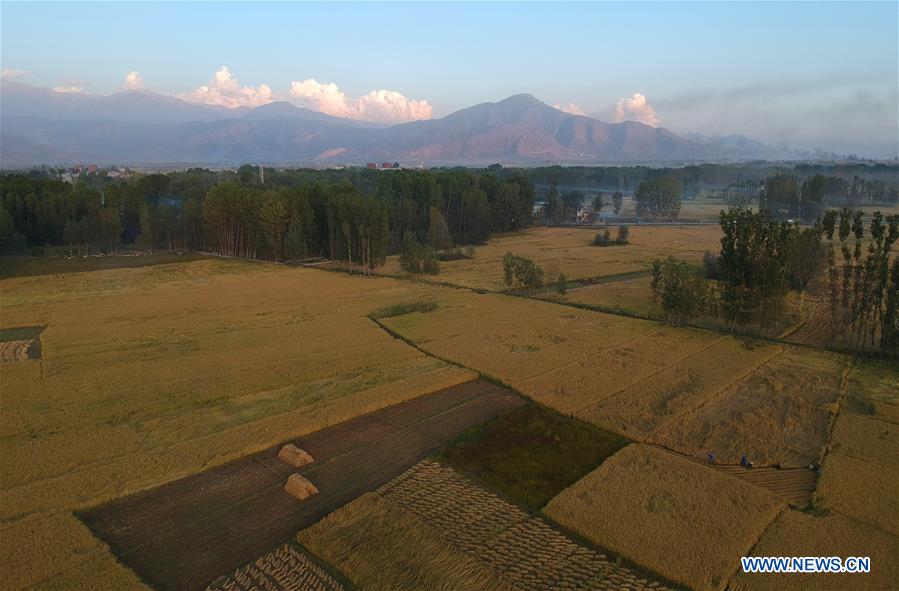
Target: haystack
{"type": "Point", "coordinates": [299, 487]}
{"type": "Point", "coordinates": [296, 457]}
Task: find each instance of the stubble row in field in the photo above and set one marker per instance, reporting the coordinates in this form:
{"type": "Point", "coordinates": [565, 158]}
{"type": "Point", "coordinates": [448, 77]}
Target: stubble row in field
{"type": "Point", "coordinates": [431, 528]}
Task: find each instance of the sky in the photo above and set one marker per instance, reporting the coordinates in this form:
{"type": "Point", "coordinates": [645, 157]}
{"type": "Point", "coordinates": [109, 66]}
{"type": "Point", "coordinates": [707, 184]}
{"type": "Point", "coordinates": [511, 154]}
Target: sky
{"type": "Point", "coordinates": [808, 74]}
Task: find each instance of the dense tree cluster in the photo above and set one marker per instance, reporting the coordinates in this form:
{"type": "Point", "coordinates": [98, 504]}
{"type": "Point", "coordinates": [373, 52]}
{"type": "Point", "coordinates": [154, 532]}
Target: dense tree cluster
{"type": "Point", "coordinates": [521, 272]}
{"type": "Point", "coordinates": [353, 215]}
{"type": "Point", "coordinates": [679, 287]}
{"type": "Point", "coordinates": [658, 197]}
{"type": "Point", "coordinates": [760, 260]}
{"type": "Point", "coordinates": [417, 258]}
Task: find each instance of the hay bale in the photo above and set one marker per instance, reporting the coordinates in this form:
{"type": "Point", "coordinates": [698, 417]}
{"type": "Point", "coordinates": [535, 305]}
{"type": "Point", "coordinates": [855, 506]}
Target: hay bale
{"type": "Point", "coordinates": [296, 457]}
{"type": "Point", "coordinates": [299, 487]}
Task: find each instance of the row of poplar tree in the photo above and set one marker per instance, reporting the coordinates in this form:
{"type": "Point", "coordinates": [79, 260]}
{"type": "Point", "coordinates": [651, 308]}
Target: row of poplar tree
{"type": "Point", "coordinates": [848, 259]}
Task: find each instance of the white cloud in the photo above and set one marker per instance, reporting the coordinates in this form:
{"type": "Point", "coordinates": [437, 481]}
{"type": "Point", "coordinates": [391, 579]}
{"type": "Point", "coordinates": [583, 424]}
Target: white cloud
{"type": "Point", "coordinates": [570, 108]}
{"type": "Point", "coordinates": [636, 108]}
{"type": "Point", "coordinates": [224, 90]}
{"type": "Point", "coordinates": [133, 81]}
{"type": "Point", "coordinates": [386, 106]}
{"type": "Point", "coordinates": [13, 74]}
{"type": "Point", "coordinates": [71, 89]}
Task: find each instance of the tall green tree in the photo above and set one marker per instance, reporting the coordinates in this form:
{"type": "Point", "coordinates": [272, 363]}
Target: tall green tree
{"type": "Point", "coordinates": [659, 197]}
{"type": "Point", "coordinates": [438, 232]}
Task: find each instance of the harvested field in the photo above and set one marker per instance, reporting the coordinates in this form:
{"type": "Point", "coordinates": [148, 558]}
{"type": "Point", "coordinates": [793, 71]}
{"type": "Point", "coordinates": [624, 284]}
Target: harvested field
{"type": "Point", "coordinates": [570, 251]}
{"type": "Point", "coordinates": [813, 312]}
{"type": "Point", "coordinates": [530, 454]}
{"type": "Point", "coordinates": [801, 534]}
{"type": "Point", "coordinates": [154, 373]}
{"type": "Point", "coordinates": [378, 546]}
{"type": "Point", "coordinates": [15, 350]}
{"type": "Point", "coordinates": [187, 533]}
{"type": "Point", "coordinates": [794, 485]}
{"type": "Point", "coordinates": [678, 518]}
{"type": "Point", "coordinates": [524, 551]}
{"type": "Point", "coordinates": [781, 413]}
{"type": "Point", "coordinates": [286, 568]}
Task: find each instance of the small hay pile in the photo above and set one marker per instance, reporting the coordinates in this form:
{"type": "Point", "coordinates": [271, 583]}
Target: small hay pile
{"type": "Point", "coordinates": [294, 456]}
{"type": "Point", "coordinates": [300, 488]}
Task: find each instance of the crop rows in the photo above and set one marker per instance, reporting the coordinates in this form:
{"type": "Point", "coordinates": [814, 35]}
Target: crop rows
{"type": "Point", "coordinates": [282, 569]}
{"type": "Point", "coordinates": [14, 350]}
{"type": "Point", "coordinates": [526, 551]}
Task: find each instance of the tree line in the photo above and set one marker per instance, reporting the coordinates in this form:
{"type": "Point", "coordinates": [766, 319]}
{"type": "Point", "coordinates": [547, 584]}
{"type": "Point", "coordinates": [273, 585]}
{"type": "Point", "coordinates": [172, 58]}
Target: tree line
{"type": "Point", "coordinates": [762, 259]}
{"type": "Point", "coordinates": [270, 214]}
{"type": "Point", "coordinates": [867, 184]}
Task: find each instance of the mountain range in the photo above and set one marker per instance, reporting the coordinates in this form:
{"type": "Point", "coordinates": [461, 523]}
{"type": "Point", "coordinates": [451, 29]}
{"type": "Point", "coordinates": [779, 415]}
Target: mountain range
{"type": "Point", "coordinates": [41, 126]}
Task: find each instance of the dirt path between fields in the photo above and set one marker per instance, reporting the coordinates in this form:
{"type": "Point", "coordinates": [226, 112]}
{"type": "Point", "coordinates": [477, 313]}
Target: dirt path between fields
{"type": "Point", "coordinates": [185, 534]}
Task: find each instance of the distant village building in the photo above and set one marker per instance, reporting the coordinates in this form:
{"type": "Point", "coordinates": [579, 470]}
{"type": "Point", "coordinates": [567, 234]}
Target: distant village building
{"type": "Point", "coordinates": [585, 214]}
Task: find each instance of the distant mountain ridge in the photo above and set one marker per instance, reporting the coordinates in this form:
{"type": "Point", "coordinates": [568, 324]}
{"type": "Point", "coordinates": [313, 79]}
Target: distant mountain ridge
{"type": "Point", "coordinates": [41, 126]}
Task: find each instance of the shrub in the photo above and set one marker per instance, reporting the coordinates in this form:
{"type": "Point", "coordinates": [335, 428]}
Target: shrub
{"type": "Point", "coordinates": [602, 239]}
{"type": "Point", "coordinates": [404, 308]}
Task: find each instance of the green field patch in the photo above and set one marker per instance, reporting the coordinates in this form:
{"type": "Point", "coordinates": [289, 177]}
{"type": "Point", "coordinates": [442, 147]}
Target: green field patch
{"type": "Point", "coordinates": [531, 453]}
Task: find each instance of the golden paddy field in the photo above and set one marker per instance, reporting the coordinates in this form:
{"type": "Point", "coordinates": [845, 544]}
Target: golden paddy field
{"type": "Point", "coordinates": [692, 390]}
{"type": "Point", "coordinates": [570, 251]}
{"type": "Point", "coordinates": [152, 374]}
{"type": "Point", "coordinates": [670, 514]}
